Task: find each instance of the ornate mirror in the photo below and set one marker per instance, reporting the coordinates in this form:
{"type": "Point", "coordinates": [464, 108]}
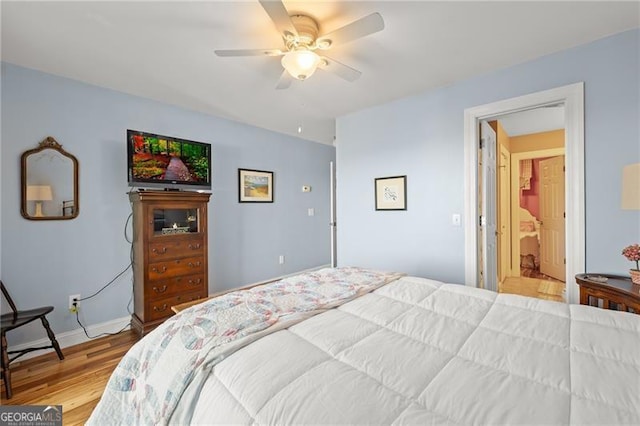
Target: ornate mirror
{"type": "Point", "coordinates": [49, 183]}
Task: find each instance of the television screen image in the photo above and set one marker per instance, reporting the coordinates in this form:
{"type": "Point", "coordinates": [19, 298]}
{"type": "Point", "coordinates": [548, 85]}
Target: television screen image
{"type": "Point", "coordinates": [168, 162]}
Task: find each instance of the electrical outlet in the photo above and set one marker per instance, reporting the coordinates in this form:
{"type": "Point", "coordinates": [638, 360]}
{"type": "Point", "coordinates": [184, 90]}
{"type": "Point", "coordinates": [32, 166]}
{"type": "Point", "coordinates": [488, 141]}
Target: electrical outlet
{"type": "Point", "coordinates": [74, 303]}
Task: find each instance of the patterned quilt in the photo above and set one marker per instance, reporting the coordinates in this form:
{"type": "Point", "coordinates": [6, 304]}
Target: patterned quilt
{"type": "Point", "coordinates": [148, 385]}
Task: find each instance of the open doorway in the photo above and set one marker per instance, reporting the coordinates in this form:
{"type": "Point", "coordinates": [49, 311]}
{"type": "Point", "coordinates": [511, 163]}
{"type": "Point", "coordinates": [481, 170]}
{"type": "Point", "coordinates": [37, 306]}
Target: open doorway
{"type": "Point", "coordinates": [530, 202]}
{"type": "Point", "coordinates": [477, 239]}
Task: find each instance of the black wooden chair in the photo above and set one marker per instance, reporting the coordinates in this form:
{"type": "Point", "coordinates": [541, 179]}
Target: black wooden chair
{"type": "Point", "coordinates": [18, 319]}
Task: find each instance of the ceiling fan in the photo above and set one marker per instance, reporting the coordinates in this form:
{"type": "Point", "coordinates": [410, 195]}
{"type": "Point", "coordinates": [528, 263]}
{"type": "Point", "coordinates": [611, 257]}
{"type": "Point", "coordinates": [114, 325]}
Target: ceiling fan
{"type": "Point", "coordinates": [301, 43]}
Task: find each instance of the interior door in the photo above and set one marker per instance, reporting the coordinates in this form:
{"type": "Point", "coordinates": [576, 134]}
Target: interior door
{"type": "Point", "coordinates": [552, 216]}
{"type": "Point", "coordinates": [504, 214]}
{"type": "Point", "coordinates": [332, 222]}
{"type": "Point", "coordinates": [488, 210]}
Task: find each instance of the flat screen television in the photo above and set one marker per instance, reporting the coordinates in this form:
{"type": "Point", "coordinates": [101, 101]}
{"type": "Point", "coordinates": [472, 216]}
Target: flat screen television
{"type": "Point", "coordinates": [157, 161]}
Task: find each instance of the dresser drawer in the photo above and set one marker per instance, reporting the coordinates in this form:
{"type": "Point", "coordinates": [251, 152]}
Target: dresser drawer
{"type": "Point", "coordinates": [175, 285]}
{"type": "Point", "coordinates": [173, 268]}
{"type": "Point", "coordinates": [161, 308]}
{"type": "Point", "coordinates": [172, 248]}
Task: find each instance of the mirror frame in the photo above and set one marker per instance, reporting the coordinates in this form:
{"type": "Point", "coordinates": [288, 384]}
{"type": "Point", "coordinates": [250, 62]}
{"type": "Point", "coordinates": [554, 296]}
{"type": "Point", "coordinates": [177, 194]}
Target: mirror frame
{"type": "Point", "coordinates": [48, 143]}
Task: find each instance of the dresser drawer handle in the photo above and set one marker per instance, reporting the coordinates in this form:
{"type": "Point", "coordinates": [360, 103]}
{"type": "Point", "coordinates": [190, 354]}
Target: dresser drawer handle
{"type": "Point", "coordinates": [164, 308]}
{"type": "Point", "coordinates": [194, 264]}
{"type": "Point", "coordinates": [162, 271]}
{"type": "Point", "coordinates": [160, 290]}
{"type": "Point", "coordinates": [194, 246]}
{"type": "Point", "coordinates": [162, 251]}
{"type": "Point", "coordinates": [195, 282]}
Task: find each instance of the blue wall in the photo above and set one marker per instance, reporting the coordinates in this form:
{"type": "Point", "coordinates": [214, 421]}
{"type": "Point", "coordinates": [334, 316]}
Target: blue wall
{"type": "Point", "coordinates": [43, 262]}
{"type": "Point", "coordinates": [423, 137]}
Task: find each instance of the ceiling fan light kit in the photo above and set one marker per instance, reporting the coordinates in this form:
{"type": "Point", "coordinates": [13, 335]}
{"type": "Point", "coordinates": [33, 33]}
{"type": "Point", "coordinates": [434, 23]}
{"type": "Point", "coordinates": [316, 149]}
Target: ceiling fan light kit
{"type": "Point", "coordinates": [300, 36]}
{"type": "Point", "coordinates": [301, 64]}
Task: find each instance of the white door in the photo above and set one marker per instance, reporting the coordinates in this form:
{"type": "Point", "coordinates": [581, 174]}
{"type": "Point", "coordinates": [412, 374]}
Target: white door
{"type": "Point", "coordinates": [552, 216]}
{"type": "Point", "coordinates": [488, 210]}
{"type": "Point", "coordinates": [504, 217]}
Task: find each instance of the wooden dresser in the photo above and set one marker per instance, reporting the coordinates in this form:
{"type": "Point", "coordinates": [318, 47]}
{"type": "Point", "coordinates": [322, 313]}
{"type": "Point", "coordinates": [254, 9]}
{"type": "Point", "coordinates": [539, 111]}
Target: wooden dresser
{"type": "Point", "coordinates": [169, 253]}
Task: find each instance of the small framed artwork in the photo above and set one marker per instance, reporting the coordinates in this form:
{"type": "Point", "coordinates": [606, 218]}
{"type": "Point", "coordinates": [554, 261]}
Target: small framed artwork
{"type": "Point", "coordinates": [255, 186]}
{"type": "Point", "coordinates": [68, 208]}
{"type": "Point", "coordinates": [391, 193]}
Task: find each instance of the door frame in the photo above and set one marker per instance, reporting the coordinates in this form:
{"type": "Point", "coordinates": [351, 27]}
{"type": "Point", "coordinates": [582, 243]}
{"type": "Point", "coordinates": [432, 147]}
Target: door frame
{"type": "Point", "coordinates": [572, 96]}
{"type": "Point", "coordinates": [332, 214]}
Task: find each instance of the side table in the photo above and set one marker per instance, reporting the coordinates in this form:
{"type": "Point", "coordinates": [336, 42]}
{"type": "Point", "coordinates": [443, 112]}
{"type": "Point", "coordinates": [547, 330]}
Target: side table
{"type": "Point", "coordinates": [616, 292]}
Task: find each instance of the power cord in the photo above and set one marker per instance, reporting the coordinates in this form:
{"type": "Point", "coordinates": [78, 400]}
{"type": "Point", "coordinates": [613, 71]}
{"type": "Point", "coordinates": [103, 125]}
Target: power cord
{"type": "Point", "coordinates": [106, 285]}
{"type": "Point", "coordinates": [130, 265]}
{"type": "Point", "coordinates": [76, 310]}
{"type": "Point", "coordinates": [130, 241]}
{"type": "Point", "coordinates": [121, 272]}
{"type": "Point", "coordinates": [86, 333]}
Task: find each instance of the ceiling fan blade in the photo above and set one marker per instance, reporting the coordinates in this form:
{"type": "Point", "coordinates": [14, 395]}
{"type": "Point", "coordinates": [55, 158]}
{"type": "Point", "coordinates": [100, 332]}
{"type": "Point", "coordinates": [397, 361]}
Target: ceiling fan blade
{"type": "Point", "coordinates": [280, 17]}
{"type": "Point", "coordinates": [341, 70]}
{"type": "Point", "coordinates": [249, 52]}
{"type": "Point", "coordinates": [284, 81]}
{"type": "Point", "coordinates": [368, 25]}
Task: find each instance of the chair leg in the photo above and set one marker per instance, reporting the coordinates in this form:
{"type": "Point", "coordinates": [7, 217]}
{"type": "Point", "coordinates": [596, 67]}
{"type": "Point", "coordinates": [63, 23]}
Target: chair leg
{"type": "Point", "coordinates": [52, 337]}
{"type": "Point", "coordinates": [6, 373]}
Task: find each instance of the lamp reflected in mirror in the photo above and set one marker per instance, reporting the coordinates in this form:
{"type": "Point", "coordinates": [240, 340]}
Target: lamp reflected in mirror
{"type": "Point", "coordinates": [49, 183]}
{"type": "Point", "coordinates": [39, 193]}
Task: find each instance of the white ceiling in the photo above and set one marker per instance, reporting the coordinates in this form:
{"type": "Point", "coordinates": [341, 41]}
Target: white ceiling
{"type": "Point", "coordinates": [543, 119]}
{"type": "Point", "coordinates": [164, 50]}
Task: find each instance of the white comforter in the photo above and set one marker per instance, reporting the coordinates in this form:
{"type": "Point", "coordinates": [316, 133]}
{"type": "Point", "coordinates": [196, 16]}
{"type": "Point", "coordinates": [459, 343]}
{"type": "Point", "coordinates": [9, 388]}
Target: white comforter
{"type": "Point", "coordinates": [418, 351]}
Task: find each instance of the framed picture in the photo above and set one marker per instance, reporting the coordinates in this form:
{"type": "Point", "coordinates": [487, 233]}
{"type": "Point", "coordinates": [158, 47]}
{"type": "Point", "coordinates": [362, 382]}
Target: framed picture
{"type": "Point", "coordinates": [255, 186]}
{"type": "Point", "coordinates": [391, 193]}
{"type": "Point", "coordinates": [68, 208]}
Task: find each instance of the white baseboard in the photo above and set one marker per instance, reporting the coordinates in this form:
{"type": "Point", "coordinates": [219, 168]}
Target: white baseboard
{"type": "Point", "coordinates": [73, 337]}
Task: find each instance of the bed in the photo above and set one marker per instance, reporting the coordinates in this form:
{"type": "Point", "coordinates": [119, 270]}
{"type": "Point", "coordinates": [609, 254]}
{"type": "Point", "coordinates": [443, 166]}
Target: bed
{"type": "Point", "coordinates": [355, 346]}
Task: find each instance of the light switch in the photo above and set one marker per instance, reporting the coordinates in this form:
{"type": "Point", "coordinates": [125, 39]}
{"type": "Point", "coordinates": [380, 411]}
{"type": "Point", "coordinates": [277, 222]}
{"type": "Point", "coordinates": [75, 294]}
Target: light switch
{"type": "Point", "coordinates": [456, 219]}
{"type": "Point", "coordinates": [311, 212]}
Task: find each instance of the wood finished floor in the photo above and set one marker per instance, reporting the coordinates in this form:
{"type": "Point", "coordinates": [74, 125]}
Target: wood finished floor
{"type": "Point", "coordinates": [534, 287]}
{"type": "Point", "coordinates": [76, 382]}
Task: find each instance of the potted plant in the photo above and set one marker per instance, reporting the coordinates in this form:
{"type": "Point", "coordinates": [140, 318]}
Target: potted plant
{"type": "Point", "coordinates": [632, 253]}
